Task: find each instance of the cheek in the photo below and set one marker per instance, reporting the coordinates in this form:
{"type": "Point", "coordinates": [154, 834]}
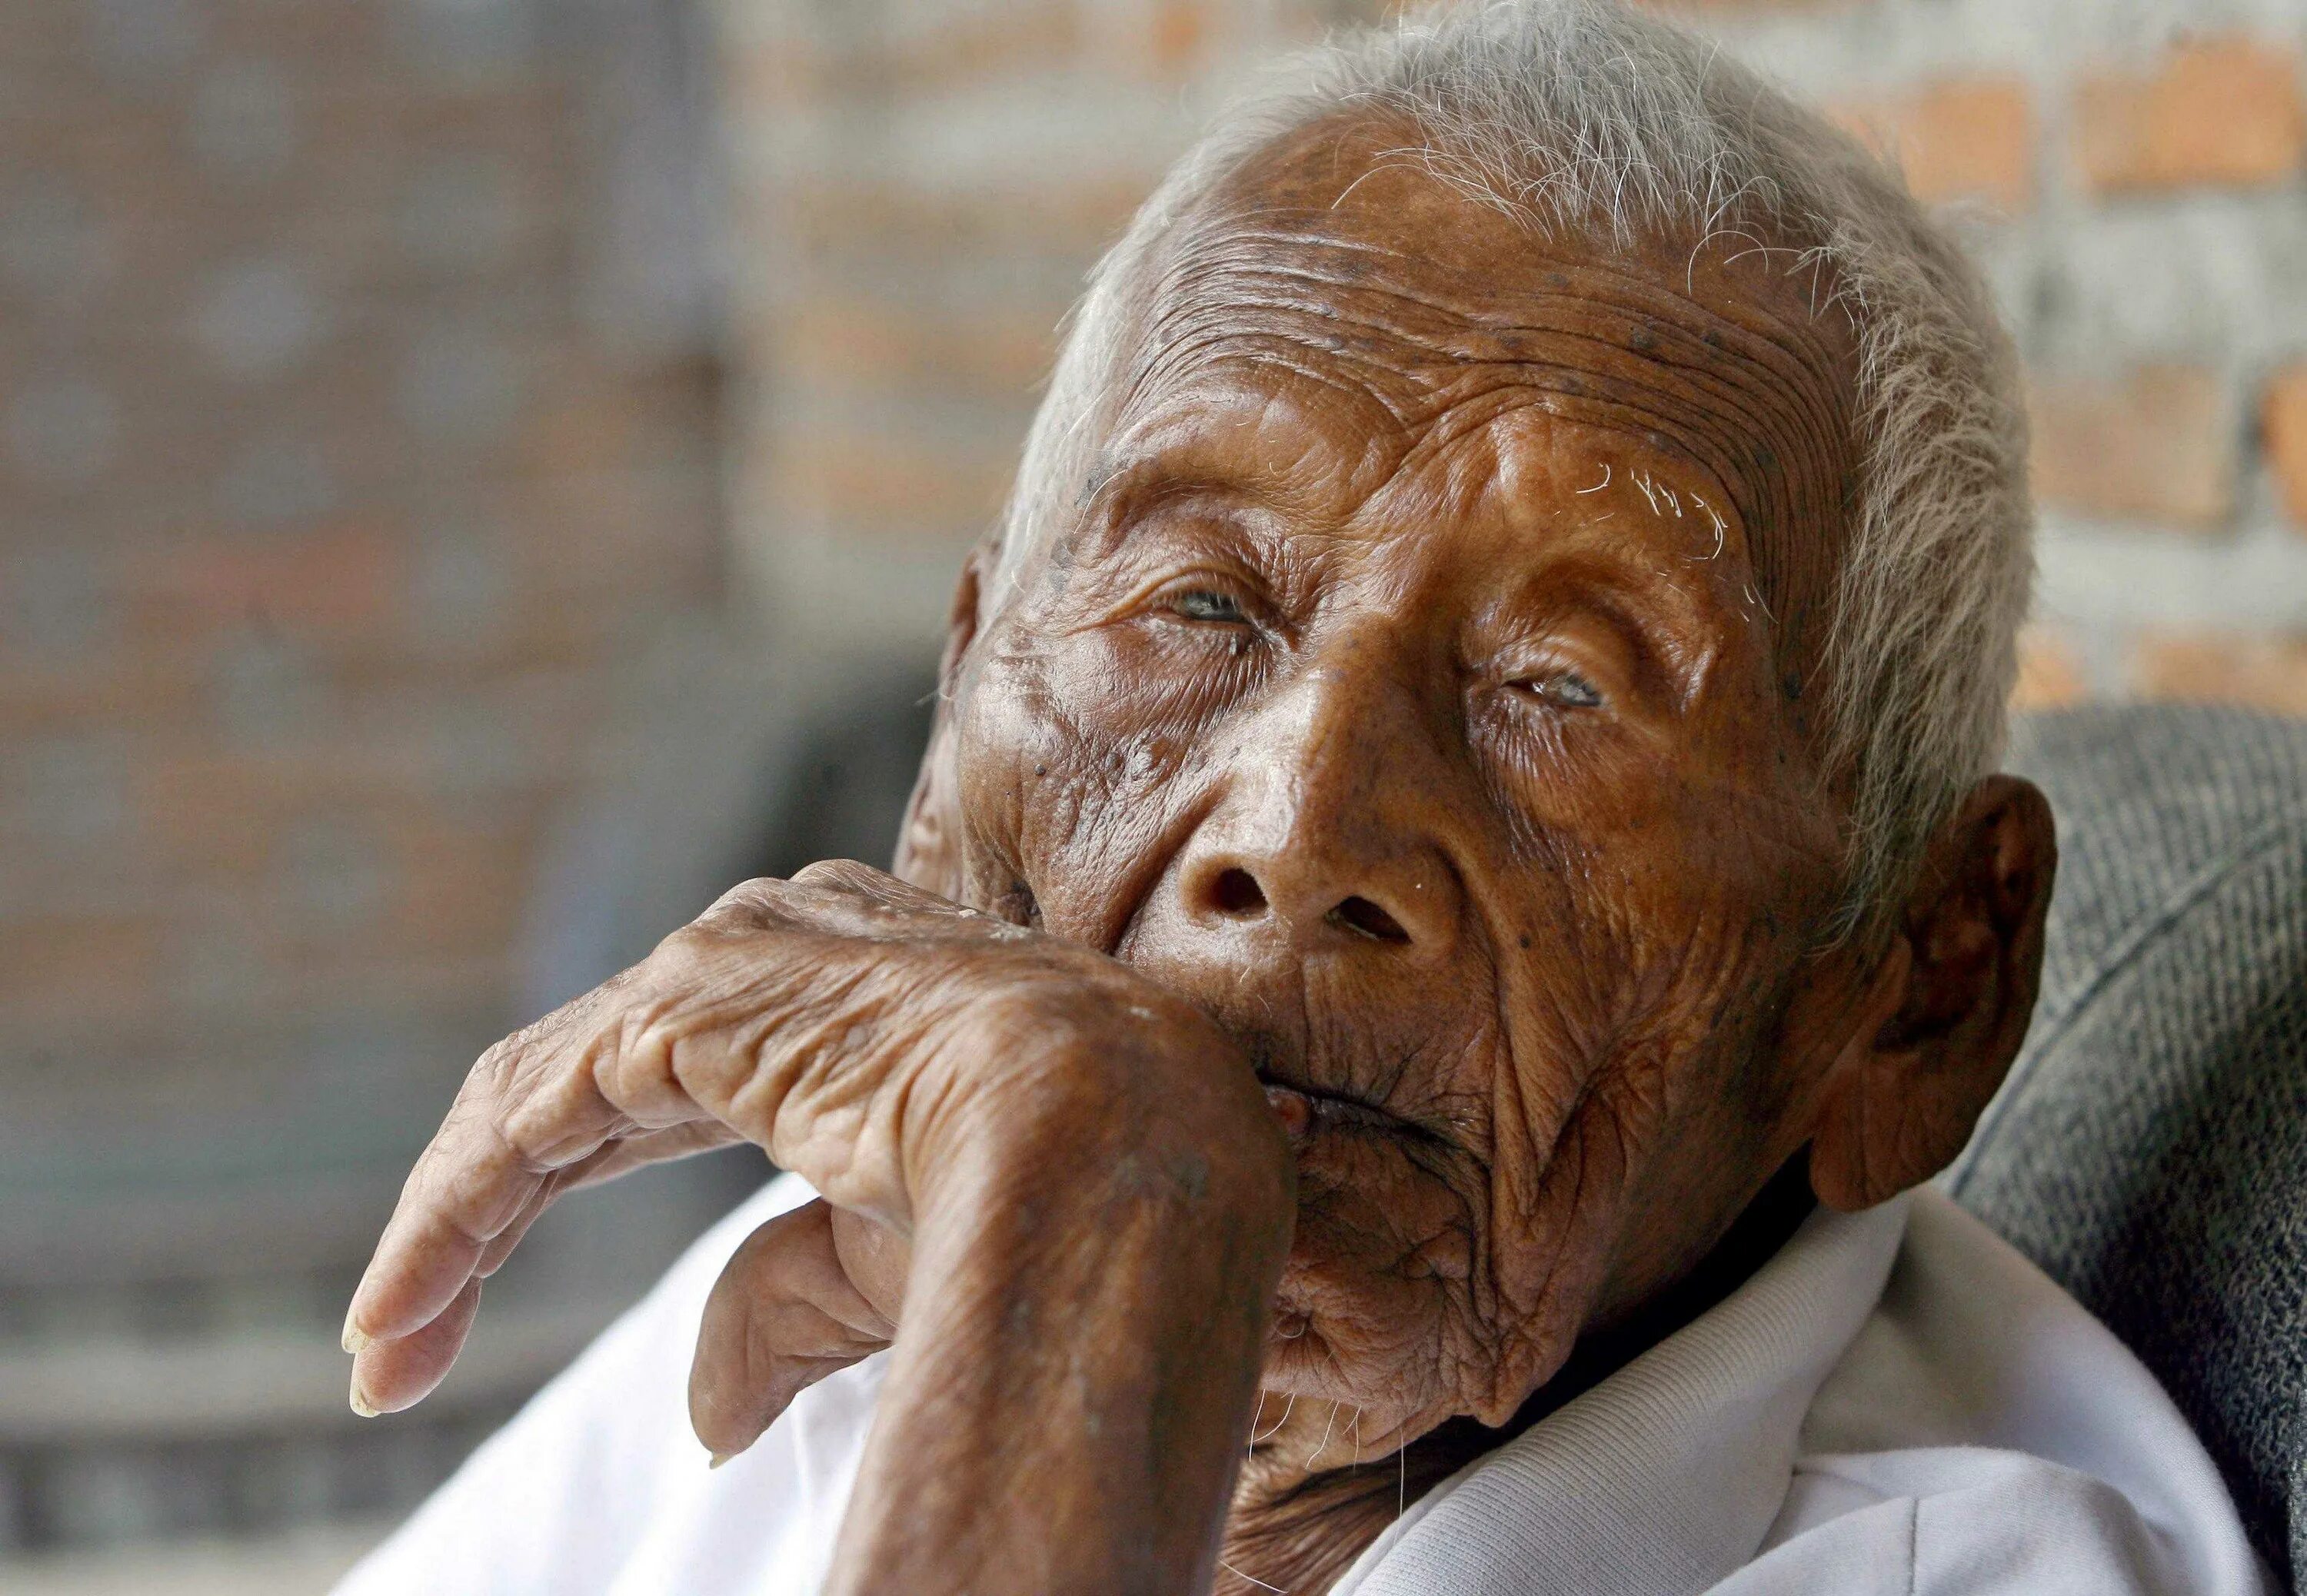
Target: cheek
{"type": "Point", "coordinates": [1378, 1270]}
{"type": "Point", "coordinates": [1720, 1129]}
{"type": "Point", "coordinates": [1063, 788]}
{"type": "Point", "coordinates": [1005, 747]}
{"type": "Point", "coordinates": [1413, 1292]}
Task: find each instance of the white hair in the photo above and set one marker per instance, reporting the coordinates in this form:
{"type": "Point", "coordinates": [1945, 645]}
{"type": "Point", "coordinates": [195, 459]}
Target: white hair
{"type": "Point", "coordinates": [1584, 120]}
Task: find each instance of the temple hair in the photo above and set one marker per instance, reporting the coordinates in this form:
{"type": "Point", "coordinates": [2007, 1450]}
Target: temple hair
{"type": "Point", "coordinates": [1586, 119]}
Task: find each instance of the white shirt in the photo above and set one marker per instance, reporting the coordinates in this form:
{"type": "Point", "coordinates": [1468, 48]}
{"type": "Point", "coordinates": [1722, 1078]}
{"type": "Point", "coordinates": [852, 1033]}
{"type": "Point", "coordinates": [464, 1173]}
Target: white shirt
{"type": "Point", "coordinates": [1896, 1402]}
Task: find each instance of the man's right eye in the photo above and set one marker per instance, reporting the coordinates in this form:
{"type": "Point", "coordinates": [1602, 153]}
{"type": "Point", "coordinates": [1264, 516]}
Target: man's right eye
{"type": "Point", "coordinates": [1203, 604]}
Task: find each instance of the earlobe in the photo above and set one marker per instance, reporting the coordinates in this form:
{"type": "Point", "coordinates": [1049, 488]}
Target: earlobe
{"type": "Point", "coordinates": [1950, 1006]}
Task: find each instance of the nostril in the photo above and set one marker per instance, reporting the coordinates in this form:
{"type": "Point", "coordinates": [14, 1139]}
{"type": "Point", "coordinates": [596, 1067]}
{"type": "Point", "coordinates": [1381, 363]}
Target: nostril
{"type": "Point", "coordinates": [1237, 892]}
{"type": "Point", "coordinates": [1361, 915]}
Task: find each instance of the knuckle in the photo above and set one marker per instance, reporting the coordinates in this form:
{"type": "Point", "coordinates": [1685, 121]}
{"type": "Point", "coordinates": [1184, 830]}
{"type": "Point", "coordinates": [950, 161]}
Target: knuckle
{"type": "Point", "coordinates": [494, 1074]}
{"type": "Point", "coordinates": [642, 1054]}
{"type": "Point", "coordinates": [850, 879]}
{"type": "Point", "coordinates": [837, 873]}
{"type": "Point", "coordinates": [759, 903]}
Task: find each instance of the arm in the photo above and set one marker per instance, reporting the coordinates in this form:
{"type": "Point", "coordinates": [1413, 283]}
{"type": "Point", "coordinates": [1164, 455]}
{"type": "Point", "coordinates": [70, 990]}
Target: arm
{"type": "Point", "coordinates": [1068, 1396]}
{"type": "Point", "coordinates": [1095, 1198]}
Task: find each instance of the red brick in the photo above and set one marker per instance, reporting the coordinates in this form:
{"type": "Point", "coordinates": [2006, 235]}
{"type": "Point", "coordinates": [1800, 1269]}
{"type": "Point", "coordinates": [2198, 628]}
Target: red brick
{"type": "Point", "coordinates": [1002, 42]}
{"type": "Point", "coordinates": [586, 428]}
{"type": "Point", "coordinates": [2263, 672]}
{"type": "Point", "coordinates": [875, 484]}
{"type": "Point", "coordinates": [462, 889]}
{"type": "Point", "coordinates": [1178, 31]}
{"type": "Point", "coordinates": [1971, 138]}
{"type": "Point", "coordinates": [848, 344]}
{"type": "Point", "coordinates": [149, 676]}
{"type": "Point", "coordinates": [347, 579]}
{"type": "Point", "coordinates": [214, 815]}
{"type": "Point", "coordinates": [166, 935]}
{"type": "Point", "coordinates": [2224, 111]}
{"type": "Point", "coordinates": [54, 971]}
{"type": "Point", "coordinates": [2051, 673]}
{"type": "Point", "coordinates": [2155, 445]}
{"type": "Point", "coordinates": [2284, 422]}
{"type": "Point", "coordinates": [835, 224]}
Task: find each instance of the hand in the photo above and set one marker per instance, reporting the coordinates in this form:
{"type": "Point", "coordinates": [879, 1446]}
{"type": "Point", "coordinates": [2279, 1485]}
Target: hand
{"type": "Point", "coordinates": [1082, 1169]}
{"type": "Point", "coordinates": [810, 1292]}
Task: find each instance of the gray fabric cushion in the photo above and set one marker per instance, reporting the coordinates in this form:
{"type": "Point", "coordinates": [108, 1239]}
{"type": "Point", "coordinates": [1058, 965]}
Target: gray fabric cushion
{"type": "Point", "coordinates": [2149, 1151]}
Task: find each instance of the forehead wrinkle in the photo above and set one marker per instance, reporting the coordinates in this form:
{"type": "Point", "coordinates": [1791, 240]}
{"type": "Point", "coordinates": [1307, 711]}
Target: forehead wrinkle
{"type": "Point", "coordinates": [1715, 433]}
{"type": "Point", "coordinates": [1659, 325]}
{"type": "Point", "coordinates": [1750, 393]}
{"type": "Point", "coordinates": [1208, 321]}
{"type": "Point", "coordinates": [1189, 354]}
{"type": "Point", "coordinates": [1714, 422]}
{"type": "Point", "coordinates": [1501, 305]}
{"type": "Point", "coordinates": [1724, 407]}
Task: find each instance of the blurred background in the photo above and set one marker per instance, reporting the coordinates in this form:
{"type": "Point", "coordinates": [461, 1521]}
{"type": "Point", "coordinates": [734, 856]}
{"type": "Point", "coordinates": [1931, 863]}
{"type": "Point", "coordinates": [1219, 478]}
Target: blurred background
{"type": "Point", "coordinates": [478, 476]}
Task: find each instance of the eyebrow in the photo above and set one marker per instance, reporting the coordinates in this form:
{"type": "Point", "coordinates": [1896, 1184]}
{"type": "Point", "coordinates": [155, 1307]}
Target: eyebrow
{"type": "Point", "coordinates": [1654, 609]}
{"type": "Point", "coordinates": [1133, 490]}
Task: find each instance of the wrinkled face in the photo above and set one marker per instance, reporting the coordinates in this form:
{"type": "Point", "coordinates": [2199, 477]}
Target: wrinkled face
{"type": "Point", "coordinates": [1420, 685]}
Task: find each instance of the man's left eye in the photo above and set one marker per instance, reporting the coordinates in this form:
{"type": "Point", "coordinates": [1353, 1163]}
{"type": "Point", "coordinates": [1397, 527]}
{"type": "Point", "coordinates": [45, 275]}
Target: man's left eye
{"type": "Point", "coordinates": [1203, 603]}
{"type": "Point", "coordinates": [1562, 689]}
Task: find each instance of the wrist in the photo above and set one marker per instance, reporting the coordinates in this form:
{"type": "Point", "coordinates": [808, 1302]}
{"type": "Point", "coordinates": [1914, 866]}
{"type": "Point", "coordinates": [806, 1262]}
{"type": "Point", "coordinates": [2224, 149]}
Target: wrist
{"type": "Point", "coordinates": [1096, 1245]}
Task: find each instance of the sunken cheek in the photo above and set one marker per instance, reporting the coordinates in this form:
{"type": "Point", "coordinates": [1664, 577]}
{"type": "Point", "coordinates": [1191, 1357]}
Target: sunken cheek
{"type": "Point", "coordinates": [1076, 744]}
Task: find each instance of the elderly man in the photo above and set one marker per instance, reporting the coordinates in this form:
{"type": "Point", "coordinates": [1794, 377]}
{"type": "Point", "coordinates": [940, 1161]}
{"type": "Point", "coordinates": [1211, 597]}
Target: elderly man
{"type": "Point", "coordinates": [1458, 881]}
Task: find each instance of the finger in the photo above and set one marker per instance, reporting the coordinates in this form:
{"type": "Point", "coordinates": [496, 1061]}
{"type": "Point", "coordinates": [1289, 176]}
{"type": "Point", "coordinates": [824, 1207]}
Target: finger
{"type": "Point", "coordinates": [500, 1247]}
{"type": "Point", "coordinates": [620, 1157]}
{"type": "Point", "coordinates": [527, 1108]}
{"type": "Point", "coordinates": [468, 1187]}
{"type": "Point", "coordinates": [844, 883]}
{"type": "Point", "coordinates": [875, 1260]}
{"type": "Point", "coordinates": [629, 1153]}
{"type": "Point", "coordinates": [864, 881]}
{"type": "Point", "coordinates": [389, 1376]}
{"type": "Point", "coordinates": [782, 1316]}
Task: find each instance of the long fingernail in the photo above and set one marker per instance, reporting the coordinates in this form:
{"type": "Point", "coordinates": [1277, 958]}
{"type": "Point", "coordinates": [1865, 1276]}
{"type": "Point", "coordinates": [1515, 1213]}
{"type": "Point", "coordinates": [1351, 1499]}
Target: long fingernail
{"type": "Point", "coordinates": [354, 1337]}
{"type": "Point", "coordinates": [719, 1458]}
{"type": "Point", "coordinates": [361, 1403]}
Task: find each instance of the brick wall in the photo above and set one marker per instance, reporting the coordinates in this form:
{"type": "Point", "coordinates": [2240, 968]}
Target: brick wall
{"type": "Point", "coordinates": [2134, 177]}
{"type": "Point", "coordinates": [919, 185]}
{"type": "Point", "coordinates": [917, 188]}
{"type": "Point", "coordinates": [358, 431]}
{"type": "Point", "coordinates": [331, 499]}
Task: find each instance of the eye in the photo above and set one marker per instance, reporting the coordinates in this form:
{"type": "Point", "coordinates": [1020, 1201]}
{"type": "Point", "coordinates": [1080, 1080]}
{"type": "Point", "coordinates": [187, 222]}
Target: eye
{"type": "Point", "coordinates": [1562, 689]}
{"type": "Point", "coordinates": [1207, 604]}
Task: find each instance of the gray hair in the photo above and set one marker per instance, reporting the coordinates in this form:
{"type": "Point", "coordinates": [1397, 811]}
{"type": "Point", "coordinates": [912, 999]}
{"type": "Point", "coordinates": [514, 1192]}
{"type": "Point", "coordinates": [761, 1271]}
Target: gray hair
{"type": "Point", "coordinates": [1581, 119]}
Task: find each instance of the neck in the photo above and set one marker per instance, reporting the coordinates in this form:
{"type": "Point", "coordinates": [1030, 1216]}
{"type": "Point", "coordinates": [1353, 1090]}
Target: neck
{"type": "Point", "coordinates": [1296, 1527]}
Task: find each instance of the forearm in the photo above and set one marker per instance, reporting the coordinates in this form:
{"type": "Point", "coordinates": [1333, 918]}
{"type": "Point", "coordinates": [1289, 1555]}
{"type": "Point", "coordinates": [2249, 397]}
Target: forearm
{"type": "Point", "coordinates": [1079, 1359]}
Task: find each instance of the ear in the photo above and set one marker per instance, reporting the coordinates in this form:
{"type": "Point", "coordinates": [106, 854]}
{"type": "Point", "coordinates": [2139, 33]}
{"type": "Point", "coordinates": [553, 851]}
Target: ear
{"type": "Point", "coordinates": [928, 853]}
{"type": "Point", "coordinates": [1948, 1003]}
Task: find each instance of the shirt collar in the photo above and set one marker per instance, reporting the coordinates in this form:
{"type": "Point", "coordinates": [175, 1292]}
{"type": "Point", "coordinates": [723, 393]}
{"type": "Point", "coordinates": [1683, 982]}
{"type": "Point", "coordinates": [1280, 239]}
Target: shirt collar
{"type": "Point", "coordinates": [1669, 1472]}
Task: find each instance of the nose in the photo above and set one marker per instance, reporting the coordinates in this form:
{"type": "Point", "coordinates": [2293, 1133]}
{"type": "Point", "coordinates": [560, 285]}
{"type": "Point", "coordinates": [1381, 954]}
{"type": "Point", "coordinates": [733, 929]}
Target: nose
{"type": "Point", "coordinates": [1281, 894]}
{"type": "Point", "coordinates": [1325, 840]}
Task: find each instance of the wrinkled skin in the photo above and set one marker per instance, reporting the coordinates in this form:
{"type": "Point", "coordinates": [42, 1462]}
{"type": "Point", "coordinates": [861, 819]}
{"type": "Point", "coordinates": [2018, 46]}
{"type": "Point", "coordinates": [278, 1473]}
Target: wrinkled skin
{"type": "Point", "coordinates": [1415, 719]}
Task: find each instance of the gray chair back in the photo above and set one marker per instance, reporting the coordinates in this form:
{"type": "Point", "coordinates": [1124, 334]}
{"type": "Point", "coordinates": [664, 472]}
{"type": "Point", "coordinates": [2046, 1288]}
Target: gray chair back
{"type": "Point", "coordinates": [2149, 1151]}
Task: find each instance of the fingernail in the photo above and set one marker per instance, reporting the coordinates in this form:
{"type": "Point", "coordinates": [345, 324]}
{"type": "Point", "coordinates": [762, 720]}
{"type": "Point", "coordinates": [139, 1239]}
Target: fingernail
{"type": "Point", "coordinates": [719, 1458]}
{"type": "Point", "coordinates": [361, 1403]}
{"type": "Point", "coordinates": [354, 1338]}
